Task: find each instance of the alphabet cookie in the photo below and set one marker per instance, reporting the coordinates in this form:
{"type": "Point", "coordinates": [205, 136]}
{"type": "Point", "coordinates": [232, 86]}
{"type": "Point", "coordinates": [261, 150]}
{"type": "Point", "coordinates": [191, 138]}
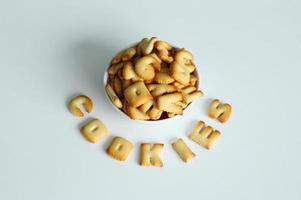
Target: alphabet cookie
{"type": "Point", "coordinates": [135, 113]}
{"type": "Point", "coordinates": [150, 108]}
{"type": "Point", "coordinates": [183, 150]}
{"type": "Point", "coordinates": [168, 102]}
{"type": "Point", "coordinates": [164, 48]}
{"type": "Point", "coordinates": [120, 148]}
{"type": "Point", "coordinates": [163, 78]}
{"type": "Point", "coordinates": [128, 72]}
{"type": "Point", "coordinates": [146, 45]}
{"type": "Point", "coordinates": [113, 96]}
{"type": "Point", "coordinates": [204, 135]}
{"type": "Point", "coordinates": [221, 112]}
{"type": "Point", "coordinates": [145, 67]}
{"type": "Point", "coordinates": [190, 94]}
{"type": "Point", "coordinates": [149, 154]}
{"type": "Point", "coordinates": [184, 58]}
{"type": "Point", "coordinates": [160, 89]}
{"type": "Point", "coordinates": [137, 94]}
{"type": "Point", "coordinates": [76, 102]}
{"type": "Point", "coordinates": [94, 130]}
{"type": "Point", "coordinates": [124, 55]}
{"type": "Point", "coordinates": [180, 73]}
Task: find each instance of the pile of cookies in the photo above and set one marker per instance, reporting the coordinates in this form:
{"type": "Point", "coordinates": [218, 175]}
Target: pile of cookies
{"type": "Point", "coordinates": [152, 80]}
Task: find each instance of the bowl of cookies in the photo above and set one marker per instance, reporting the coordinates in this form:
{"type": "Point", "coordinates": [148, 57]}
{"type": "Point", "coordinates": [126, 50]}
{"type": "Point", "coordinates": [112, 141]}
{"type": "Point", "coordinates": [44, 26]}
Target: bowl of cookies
{"type": "Point", "coordinates": [152, 81]}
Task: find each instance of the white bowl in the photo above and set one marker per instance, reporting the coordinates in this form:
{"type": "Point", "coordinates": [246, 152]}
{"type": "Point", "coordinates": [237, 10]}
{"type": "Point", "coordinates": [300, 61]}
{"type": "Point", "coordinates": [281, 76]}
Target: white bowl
{"type": "Point", "coordinates": [105, 79]}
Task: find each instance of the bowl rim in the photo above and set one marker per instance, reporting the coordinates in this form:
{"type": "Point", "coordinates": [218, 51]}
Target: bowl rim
{"type": "Point", "coordinates": [105, 79]}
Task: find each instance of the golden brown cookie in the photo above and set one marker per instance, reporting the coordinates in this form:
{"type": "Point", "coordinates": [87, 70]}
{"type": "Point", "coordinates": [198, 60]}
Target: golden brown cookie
{"type": "Point", "coordinates": [157, 67]}
{"type": "Point", "coordinates": [163, 78]}
{"type": "Point", "coordinates": [120, 148]}
{"type": "Point", "coordinates": [184, 58]}
{"type": "Point", "coordinates": [168, 102]}
{"type": "Point", "coordinates": [204, 135]}
{"type": "Point", "coordinates": [117, 58]}
{"type": "Point", "coordinates": [124, 55]}
{"type": "Point", "coordinates": [164, 48]}
{"type": "Point", "coordinates": [190, 94]}
{"type": "Point", "coordinates": [149, 154]}
{"type": "Point", "coordinates": [128, 54]}
{"type": "Point", "coordinates": [137, 94]}
{"type": "Point", "coordinates": [145, 67]}
{"type": "Point", "coordinates": [146, 106]}
{"type": "Point", "coordinates": [183, 150]}
{"type": "Point", "coordinates": [150, 108]}
{"type": "Point", "coordinates": [114, 68]}
{"type": "Point", "coordinates": [182, 104]}
{"type": "Point", "coordinates": [221, 112]}
{"type": "Point", "coordinates": [180, 73]}
{"type": "Point", "coordinates": [178, 85]}
{"type": "Point", "coordinates": [118, 86]}
{"type": "Point", "coordinates": [113, 96]}
{"type": "Point", "coordinates": [128, 72]}
{"type": "Point", "coordinates": [135, 113]}
{"type": "Point", "coordinates": [160, 89]}
{"type": "Point", "coordinates": [154, 113]}
{"type": "Point", "coordinates": [76, 102]}
{"type": "Point", "coordinates": [94, 130]}
{"type": "Point", "coordinates": [146, 46]}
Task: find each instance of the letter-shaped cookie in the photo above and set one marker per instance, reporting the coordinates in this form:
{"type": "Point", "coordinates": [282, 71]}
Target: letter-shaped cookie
{"type": "Point", "coordinates": [128, 54]}
{"type": "Point", "coordinates": [158, 59]}
{"type": "Point", "coordinates": [135, 113]}
{"type": "Point", "coordinates": [128, 72]}
{"type": "Point", "coordinates": [190, 94]}
{"type": "Point", "coordinates": [146, 46]}
{"type": "Point", "coordinates": [113, 69]}
{"type": "Point", "coordinates": [182, 66]}
{"type": "Point", "coordinates": [145, 67]}
{"type": "Point", "coordinates": [149, 154]}
{"type": "Point", "coordinates": [137, 94]}
{"type": "Point", "coordinates": [94, 130]}
{"type": "Point", "coordinates": [183, 150]}
{"type": "Point", "coordinates": [74, 105]}
{"type": "Point", "coordinates": [124, 55]}
{"type": "Point", "coordinates": [117, 58]}
{"type": "Point", "coordinates": [120, 148]}
{"type": "Point", "coordinates": [150, 109]}
{"type": "Point", "coordinates": [184, 57]}
{"type": "Point", "coordinates": [117, 86]}
{"type": "Point", "coordinates": [180, 73]}
{"type": "Point", "coordinates": [178, 85]}
{"type": "Point", "coordinates": [160, 89]}
{"type": "Point", "coordinates": [204, 135]}
{"type": "Point", "coordinates": [113, 96]}
{"type": "Point", "coordinates": [219, 111]}
{"type": "Point", "coordinates": [163, 78]}
{"type": "Point", "coordinates": [168, 102]}
{"type": "Point", "coordinates": [164, 48]}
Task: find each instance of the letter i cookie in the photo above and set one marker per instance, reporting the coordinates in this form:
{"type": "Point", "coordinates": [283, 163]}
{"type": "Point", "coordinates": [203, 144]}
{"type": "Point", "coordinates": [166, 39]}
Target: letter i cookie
{"type": "Point", "coordinates": [183, 150]}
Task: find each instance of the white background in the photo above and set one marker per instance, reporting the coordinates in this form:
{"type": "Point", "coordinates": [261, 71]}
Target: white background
{"type": "Point", "coordinates": [248, 54]}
